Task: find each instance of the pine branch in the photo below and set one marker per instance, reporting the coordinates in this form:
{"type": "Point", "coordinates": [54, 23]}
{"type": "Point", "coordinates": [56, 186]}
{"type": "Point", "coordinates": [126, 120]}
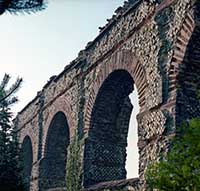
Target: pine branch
{"type": "Point", "coordinates": [22, 6]}
{"type": "Point", "coordinates": [5, 81]}
{"type": "Point", "coordinates": [12, 101]}
{"type": "Point", "coordinates": [13, 89]}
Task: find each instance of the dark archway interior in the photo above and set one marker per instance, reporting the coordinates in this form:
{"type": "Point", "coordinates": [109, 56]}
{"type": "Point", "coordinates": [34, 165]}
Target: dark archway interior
{"type": "Point", "coordinates": [188, 100]}
{"type": "Point", "coordinates": [53, 165]}
{"type": "Point", "coordinates": [27, 157]}
{"type": "Point", "coordinates": [105, 148]}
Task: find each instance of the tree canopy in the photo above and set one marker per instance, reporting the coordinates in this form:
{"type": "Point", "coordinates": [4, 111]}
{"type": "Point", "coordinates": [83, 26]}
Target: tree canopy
{"type": "Point", "coordinates": [179, 170]}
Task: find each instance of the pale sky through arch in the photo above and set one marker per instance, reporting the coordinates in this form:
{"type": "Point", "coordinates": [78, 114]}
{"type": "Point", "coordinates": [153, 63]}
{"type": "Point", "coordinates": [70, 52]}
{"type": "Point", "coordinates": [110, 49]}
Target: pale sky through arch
{"type": "Point", "coordinates": [40, 45]}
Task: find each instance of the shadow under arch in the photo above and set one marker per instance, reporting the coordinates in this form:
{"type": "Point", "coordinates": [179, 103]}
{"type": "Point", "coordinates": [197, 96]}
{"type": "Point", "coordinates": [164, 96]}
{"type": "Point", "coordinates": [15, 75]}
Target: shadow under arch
{"type": "Point", "coordinates": [27, 158]}
{"type": "Point", "coordinates": [105, 146]}
{"type": "Point", "coordinates": [52, 171]}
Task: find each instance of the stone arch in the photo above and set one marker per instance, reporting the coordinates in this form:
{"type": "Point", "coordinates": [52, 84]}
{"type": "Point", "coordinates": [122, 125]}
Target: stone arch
{"type": "Point", "coordinates": [61, 104]}
{"type": "Point", "coordinates": [122, 59]}
{"type": "Point", "coordinates": [53, 165]}
{"type": "Point", "coordinates": [184, 79]}
{"type": "Point", "coordinates": [27, 157]}
{"type": "Point", "coordinates": [107, 117]}
{"type": "Point", "coordinates": [188, 80]}
{"type": "Point", "coordinates": [177, 60]}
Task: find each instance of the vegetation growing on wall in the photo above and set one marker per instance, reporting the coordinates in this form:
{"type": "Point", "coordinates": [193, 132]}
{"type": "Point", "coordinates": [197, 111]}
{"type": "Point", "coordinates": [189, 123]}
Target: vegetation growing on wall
{"type": "Point", "coordinates": [163, 19]}
{"type": "Point", "coordinates": [180, 169]}
{"type": "Point", "coordinates": [74, 165]}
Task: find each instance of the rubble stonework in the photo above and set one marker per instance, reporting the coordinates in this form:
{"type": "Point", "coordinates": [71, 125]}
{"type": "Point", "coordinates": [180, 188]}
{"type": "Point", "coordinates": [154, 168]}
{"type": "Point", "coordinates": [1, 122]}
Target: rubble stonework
{"type": "Point", "coordinates": [153, 45]}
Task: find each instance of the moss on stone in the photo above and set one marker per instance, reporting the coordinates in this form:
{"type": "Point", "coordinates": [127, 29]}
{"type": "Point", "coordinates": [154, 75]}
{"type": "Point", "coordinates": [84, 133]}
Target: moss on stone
{"type": "Point", "coordinates": [74, 165]}
{"type": "Point", "coordinates": [163, 20]}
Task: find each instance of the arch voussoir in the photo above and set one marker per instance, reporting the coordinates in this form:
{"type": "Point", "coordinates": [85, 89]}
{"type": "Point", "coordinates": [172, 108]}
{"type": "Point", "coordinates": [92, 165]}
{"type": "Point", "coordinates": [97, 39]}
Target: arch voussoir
{"type": "Point", "coordinates": [120, 60]}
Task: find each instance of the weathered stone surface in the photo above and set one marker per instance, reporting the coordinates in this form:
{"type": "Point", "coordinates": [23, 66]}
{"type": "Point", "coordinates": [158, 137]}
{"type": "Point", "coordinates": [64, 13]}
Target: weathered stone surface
{"type": "Point", "coordinates": [153, 45]}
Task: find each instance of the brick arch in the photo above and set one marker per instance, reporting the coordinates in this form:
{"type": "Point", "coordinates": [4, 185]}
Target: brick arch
{"type": "Point", "coordinates": [108, 131]}
{"type": "Point", "coordinates": [30, 133]}
{"type": "Point", "coordinates": [184, 69]}
{"type": "Point", "coordinates": [59, 113]}
{"type": "Point", "coordinates": [59, 105]}
{"type": "Point", "coordinates": [188, 79]}
{"type": "Point", "coordinates": [53, 164]}
{"type": "Point", "coordinates": [121, 60]}
{"type": "Point", "coordinates": [27, 158]}
{"type": "Point", "coordinates": [178, 56]}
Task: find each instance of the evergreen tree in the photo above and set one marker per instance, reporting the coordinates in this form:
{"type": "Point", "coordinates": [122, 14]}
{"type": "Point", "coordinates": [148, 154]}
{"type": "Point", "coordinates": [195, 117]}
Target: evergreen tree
{"type": "Point", "coordinates": [10, 167]}
{"type": "Point", "coordinates": [179, 170]}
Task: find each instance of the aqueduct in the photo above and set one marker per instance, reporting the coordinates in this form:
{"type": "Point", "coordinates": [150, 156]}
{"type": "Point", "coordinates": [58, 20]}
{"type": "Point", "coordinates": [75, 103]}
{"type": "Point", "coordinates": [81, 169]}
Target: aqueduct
{"type": "Point", "coordinates": [74, 132]}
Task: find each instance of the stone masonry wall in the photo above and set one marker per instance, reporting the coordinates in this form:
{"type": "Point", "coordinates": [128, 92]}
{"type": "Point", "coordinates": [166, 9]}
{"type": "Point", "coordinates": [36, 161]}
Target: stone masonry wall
{"type": "Point", "coordinates": [149, 40]}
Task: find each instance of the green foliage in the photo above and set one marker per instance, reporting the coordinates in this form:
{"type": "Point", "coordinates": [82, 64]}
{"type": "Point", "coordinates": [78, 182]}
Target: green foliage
{"type": "Point", "coordinates": [74, 166]}
{"type": "Point", "coordinates": [7, 96]}
{"type": "Point", "coordinates": [21, 6]}
{"type": "Point", "coordinates": [10, 170]}
{"type": "Point", "coordinates": [179, 170]}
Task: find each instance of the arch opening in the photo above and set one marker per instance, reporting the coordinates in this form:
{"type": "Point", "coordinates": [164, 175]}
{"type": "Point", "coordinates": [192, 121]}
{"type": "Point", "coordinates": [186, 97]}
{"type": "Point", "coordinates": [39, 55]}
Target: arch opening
{"type": "Point", "coordinates": [105, 148]}
{"type": "Point", "coordinates": [27, 158]}
{"type": "Point", "coordinates": [132, 162]}
{"type": "Point", "coordinates": [53, 165]}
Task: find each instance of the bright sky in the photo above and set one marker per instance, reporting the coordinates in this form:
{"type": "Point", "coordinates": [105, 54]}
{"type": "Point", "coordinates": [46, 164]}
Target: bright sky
{"type": "Point", "coordinates": [37, 46]}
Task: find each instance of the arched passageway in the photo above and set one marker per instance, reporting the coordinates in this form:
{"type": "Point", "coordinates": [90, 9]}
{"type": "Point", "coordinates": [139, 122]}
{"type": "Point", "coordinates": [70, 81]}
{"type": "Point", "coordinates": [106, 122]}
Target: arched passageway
{"type": "Point", "coordinates": [53, 165]}
{"type": "Point", "coordinates": [105, 148]}
{"type": "Point", "coordinates": [27, 158]}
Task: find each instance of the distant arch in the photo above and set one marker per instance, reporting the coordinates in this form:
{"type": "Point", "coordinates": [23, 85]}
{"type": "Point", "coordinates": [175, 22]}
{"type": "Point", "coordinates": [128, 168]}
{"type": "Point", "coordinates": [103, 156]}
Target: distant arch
{"type": "Point", "coordinates": [60, 104]}
{"type": "Point", "coordinates": [27, 157]}
{"type": "Point", "coordinates": [53, 165]}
